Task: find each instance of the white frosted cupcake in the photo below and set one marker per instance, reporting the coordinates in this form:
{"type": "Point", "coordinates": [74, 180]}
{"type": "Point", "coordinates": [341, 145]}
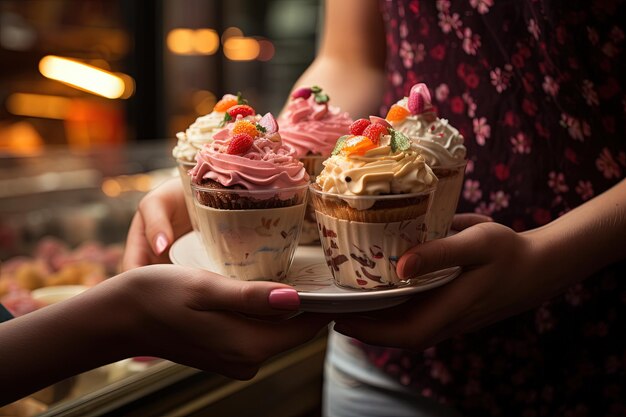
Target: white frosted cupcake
{"type": "Point", "coordinates": [443, 149]}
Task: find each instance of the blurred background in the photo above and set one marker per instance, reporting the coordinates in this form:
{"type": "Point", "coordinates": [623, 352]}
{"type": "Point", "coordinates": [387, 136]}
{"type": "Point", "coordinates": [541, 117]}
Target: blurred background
{"type": "Point", "coordinates": [92, 93]}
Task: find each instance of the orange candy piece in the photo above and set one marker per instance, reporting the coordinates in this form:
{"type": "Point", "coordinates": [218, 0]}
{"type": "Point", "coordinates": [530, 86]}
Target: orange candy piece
{"type": "Point", "coordinates": [358, 145]}
{"type": "Point", "coordinates": [225, 104]}
{"type": "Point", "coordinates": [397, 113]}
{"type": "Point", "coordinates": [244, 126]}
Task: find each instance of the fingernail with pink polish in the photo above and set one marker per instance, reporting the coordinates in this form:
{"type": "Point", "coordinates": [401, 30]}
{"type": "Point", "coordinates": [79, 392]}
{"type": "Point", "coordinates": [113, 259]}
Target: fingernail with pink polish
{"type": "Point", "coordinates": [284, 299]}
{"type": "Point", "coordinates": [160, 243]}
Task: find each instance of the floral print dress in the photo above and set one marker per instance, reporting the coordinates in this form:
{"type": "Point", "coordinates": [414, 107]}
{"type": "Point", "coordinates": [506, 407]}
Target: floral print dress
{"type": "Point", "coordinates": [538, 89]}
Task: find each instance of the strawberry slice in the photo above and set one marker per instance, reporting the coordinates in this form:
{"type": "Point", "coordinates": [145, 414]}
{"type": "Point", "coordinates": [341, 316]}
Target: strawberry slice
{"type": "Point", "coordinates": [239, 144]}
{"type": "Point", "coordinates": [240, 109]}
{"type": "Point", "coordinates": [375, 131]}
{"type": "Point", "coordinates": [358, 126]}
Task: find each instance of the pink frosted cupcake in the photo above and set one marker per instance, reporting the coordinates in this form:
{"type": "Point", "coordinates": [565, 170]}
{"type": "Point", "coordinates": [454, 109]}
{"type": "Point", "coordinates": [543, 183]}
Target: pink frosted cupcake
{"type": "Point", "coordinates": [311, 126]}
{"type": "Point", "coordinates": [249, 196]}
{"type": "Point", "coordinates": [200, 133]}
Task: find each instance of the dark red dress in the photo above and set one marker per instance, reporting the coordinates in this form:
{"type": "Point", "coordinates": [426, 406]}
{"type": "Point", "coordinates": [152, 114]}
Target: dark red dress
{"type": "Point", "coordinates": [538, 89]}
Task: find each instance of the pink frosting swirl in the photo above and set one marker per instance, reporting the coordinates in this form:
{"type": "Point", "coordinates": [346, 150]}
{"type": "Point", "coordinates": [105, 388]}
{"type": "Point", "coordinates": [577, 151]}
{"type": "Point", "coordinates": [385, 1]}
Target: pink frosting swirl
{"type": "Point", "coordinates": [268, 164]}
{"type": "Point", "coordinates": [312, 128]}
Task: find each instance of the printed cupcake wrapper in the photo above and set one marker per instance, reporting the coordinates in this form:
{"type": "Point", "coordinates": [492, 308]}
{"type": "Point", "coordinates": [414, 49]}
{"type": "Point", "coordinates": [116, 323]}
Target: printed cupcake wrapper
{"type": "Point", "coordinates": [445, 201]}
{"type": "Point", "coordinates": [251, 244]}
{"type": "Point", "coordinates": [313, 165]}
{"type": "Point", "coordinates": [186, 181]}
{"type": "Point", "coordinates": [309, 234]}
{"type": "Point", "coordinates": [365, 255]}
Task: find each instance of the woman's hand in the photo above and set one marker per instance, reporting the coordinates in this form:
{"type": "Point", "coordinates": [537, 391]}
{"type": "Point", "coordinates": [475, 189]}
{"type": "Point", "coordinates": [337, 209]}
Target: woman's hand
{"type": "Point", "coordinates": [210, 322]}
{"type": "Point", "coordinates": [161, 218]}
{"type": "Point", "coordinates": [190, 316]}
{"type": "Point", "coordinates": [502, 275]}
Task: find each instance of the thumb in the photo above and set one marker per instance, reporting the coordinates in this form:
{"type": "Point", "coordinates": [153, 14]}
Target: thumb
{"type": "Point", "coordinates": [216, 292]}
{"type": "Point", "coordinates": [464, 220]}
{"type": "Point", "coordinates": [466, 248]}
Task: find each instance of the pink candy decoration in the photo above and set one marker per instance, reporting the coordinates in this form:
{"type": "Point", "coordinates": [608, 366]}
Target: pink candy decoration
{"type": "Point", "coordinates": [303, 92]}
{"type": "Point", "coordinates": [419, 98]}
{"type": "Point", "coordinates": [269, 123]}
{"type": "Point", "coordinates": [380, 121]}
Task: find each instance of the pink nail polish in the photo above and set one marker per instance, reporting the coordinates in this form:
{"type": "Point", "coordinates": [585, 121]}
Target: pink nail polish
{"type": "Point", "coordinates": [284, 299]}
{"type": "Point", "coordinates": [160, 243]}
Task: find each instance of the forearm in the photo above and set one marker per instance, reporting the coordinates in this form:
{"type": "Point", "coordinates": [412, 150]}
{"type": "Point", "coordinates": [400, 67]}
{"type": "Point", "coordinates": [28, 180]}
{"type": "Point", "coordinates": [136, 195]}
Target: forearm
{"type": "Point", "coordinates": [59, 341]}
{"type": "Point", "coordinates": [351, 61]}
{"type": "Point", "coordinates": [585, 239]}
{"type": "Point", "coordinates": [357, 90]}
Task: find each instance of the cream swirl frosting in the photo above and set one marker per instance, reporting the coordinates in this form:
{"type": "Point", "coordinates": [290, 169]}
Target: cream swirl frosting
{"type": "Point", "coordinates": [439, 143]}
{"type": "Point", "coordinates": [267, 164]}
{"type": "Point", "coordinates": [378, 171]}
{"type": "Point", "coordinates": [311, 127]}
{"type": "Point", "coordinates": [197, 135]}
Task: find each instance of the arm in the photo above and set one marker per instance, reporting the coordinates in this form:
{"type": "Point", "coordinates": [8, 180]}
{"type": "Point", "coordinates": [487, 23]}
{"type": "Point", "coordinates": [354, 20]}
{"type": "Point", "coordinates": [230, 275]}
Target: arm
{"type": "Point", "coordinates": [504, 273]}
{"type": "Point", "coordinates": [153, 311]}
{"type": "Point", "coordinates": [350, 63]}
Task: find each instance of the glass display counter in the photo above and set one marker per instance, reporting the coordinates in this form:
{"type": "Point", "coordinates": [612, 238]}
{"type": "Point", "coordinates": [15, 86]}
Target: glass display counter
{"type": "Point", "coordinates": [60, 209]}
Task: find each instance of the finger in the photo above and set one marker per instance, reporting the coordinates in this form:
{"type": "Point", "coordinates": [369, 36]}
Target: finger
{"type": "Point", "coordinates": [464, 220]}
{"type": "Point", "coordinates": [466, 248]}
{"type": "Point", "coordinates": [156, 214]}
{"type": "Point", "coordinates": [137, 252]}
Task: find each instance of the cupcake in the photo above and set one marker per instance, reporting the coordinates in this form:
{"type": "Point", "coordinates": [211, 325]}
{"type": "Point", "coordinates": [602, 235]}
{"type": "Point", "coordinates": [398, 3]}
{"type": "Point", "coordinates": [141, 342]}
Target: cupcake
{"type": "Point", "coordinates": [249, 194]}
{"type": "Point", "coordinates": [443, 149]}
{"type": "Point", "coordinates": [311, 126]}
{"type": "Point", "coordinates": [371, 201]}
{"type": "Point", "coordinates": [201, 133]}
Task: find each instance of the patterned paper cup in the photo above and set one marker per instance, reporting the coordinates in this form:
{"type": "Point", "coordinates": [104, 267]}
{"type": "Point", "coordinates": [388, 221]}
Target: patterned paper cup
{"type": "Point", "coordinates": [183, 168]}
{"type": "Point", "coordinates": [250, 235]}
{"type": "Point", "coordinates": [446, 198]}
{"type": "Point", "coordinates": [364, 236]}
{"type": "Point", "coordinates": [310, 235]}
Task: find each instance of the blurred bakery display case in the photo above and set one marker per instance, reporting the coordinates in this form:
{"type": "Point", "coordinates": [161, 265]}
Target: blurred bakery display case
{"type": "Point", "coordinates": [92, 93]}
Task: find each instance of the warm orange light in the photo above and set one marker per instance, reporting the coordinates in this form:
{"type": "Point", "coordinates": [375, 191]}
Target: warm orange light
{"type": "Point", "coordinates": [180, 41]}
{"type": "Point", "coordinates": [206, 41]}
{"type": "Point", "coordinates": [239, 48]}
{"type": "Point", "coordinates": [203, 101]}
{"type": "Point", "coordinates": [231, 32]}
{"type": "Point", "coordinates": [82, 76]}
{"type": "Point", "coordinates": [111, 188]}
{"type": "Point", "coordinates": [38, 105]}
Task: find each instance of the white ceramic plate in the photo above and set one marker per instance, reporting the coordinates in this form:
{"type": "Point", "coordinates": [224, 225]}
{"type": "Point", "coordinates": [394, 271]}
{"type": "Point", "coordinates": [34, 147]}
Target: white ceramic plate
{"type": "Point", "coordinates": [312, 279]}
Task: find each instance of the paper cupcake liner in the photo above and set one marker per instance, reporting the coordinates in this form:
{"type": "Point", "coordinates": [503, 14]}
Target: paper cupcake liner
{"type": "Point", "coordinates": [313, 165]}
{"type": "Point", "coordinates": [445, 200]}
{"type": "Point", "coordinates": [183, 168]}
{"type": "Point", "coordinates": [251, 244]}
{"type": "Point", "coordinates": [364, 255]}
